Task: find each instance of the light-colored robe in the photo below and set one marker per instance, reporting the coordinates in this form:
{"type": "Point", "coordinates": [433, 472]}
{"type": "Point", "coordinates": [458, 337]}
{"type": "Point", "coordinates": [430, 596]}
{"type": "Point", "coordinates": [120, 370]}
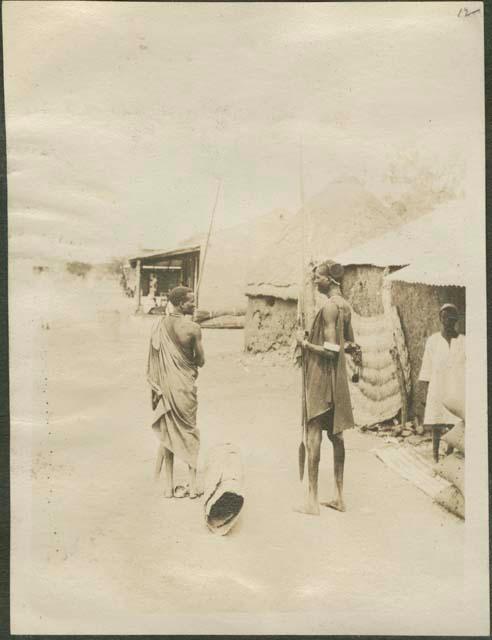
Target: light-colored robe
{"type": "Point", "coordinates": [172, 376]}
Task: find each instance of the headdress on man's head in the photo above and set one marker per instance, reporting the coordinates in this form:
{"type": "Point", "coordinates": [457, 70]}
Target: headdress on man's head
{"type": "Point", "coordinates": [333, 270]}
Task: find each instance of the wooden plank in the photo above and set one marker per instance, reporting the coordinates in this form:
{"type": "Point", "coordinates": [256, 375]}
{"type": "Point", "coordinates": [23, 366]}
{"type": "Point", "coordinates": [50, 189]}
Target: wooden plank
{"type": "Point", "coordinates": [410, 466]}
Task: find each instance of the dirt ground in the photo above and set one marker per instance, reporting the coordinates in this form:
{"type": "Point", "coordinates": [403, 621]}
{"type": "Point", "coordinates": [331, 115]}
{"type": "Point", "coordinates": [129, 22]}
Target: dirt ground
{"type": "Point", "coordinates": [106, 553]}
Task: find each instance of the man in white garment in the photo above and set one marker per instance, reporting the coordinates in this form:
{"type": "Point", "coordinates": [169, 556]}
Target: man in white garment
{"type": "Point", "coordinates": [435, 362]}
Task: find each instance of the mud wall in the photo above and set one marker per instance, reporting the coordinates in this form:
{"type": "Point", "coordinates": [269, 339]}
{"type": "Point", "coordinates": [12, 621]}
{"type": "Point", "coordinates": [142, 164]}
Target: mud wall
{"type": "Point", "coordinates": [361, 286]}
{"type": "Point", "coordinates": [270, 324]}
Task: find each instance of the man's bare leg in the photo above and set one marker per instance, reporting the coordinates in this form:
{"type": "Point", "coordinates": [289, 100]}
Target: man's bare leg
{"type": "Point", "coordinates": [168, 473]}
{"type": "Point", "coordinates": [436, 441]}
{"type": "Point", "coordinates": [338, 464]}
{"type": "Point", "coordinates": [313, 443]}
{"type": "Point", "coordinates": [449, 447]}
{"type": "Point", "coordinates": [159, 461]}
{"type": "Point", "coordinates": [193, 490]}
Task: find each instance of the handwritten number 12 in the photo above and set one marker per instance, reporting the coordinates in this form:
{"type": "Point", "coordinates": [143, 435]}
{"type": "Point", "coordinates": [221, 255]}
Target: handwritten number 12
{"type": "Point", "coordinates": [465, 13]}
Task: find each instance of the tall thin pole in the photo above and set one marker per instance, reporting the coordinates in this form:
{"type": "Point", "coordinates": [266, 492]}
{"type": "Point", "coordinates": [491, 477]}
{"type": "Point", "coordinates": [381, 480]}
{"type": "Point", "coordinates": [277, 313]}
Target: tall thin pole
{"type": "Point", "coordinates": [302, 319]}
{"type": "Point", "coordinates": [139, 284]}
{"type": "Point", "coordinates": [301, 294]}
{"type": "Point", "coordinates": [202, 267]}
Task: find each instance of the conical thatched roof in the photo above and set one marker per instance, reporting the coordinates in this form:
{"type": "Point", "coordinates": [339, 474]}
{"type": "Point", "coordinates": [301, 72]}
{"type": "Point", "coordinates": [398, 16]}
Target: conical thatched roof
{"type": "Point", "coordinates": [343, 215]}
{"type": "Point", "coordinates": [230, 255]}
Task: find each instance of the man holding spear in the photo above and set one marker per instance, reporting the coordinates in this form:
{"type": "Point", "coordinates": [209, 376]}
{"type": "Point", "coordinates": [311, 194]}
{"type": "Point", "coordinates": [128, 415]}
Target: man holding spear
{"type": "Point", "coordinates": [175, 353]}
{"type": "Point", "coordinates": [326, 400]}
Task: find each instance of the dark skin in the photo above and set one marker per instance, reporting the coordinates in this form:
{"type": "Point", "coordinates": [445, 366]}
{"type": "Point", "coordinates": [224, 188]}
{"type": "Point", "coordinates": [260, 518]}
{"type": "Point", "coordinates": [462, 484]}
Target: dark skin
{"type": "Point", "coordinates": [314, 427]}
{"type": "Point", "coordinates": [449, 319]}
{"type": "Point", "coordinates": [188, 336]}
{"type": "Point", "coordinates": [188, 333]}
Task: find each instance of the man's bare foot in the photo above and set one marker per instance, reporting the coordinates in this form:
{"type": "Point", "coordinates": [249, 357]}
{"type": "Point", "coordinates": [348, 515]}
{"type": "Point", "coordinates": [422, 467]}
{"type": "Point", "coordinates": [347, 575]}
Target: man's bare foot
{"type": "Point", "coordinates": [198, 493]}
{"type": "Point", "coordinates": [310, 510]}
{"type": "Point", "coordinates": [338, 505]}
{"type": "Point", "coordinates": [168, 493]}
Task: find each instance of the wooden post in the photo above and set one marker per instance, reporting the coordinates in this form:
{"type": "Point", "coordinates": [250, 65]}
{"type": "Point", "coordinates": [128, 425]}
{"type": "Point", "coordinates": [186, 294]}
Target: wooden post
{"type": "Point", "coordinates": [139, 284]}
{"type": "Point", "coordinates": [401, 385]}
{"type": "Point", "coordinates": [196, 261]}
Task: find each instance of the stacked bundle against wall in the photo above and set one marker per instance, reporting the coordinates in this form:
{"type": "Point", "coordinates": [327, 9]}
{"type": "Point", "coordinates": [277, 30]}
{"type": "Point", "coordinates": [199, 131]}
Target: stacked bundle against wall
{"type": "Point", "coordinates": [376, 396]}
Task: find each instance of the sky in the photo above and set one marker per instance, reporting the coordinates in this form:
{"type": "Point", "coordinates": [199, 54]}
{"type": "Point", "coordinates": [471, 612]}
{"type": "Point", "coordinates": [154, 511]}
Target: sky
{"type": "Point", "coordinates": [123, 117]}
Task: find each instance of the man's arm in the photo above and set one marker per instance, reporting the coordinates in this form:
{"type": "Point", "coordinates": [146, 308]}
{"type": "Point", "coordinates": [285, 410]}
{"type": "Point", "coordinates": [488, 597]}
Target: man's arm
{"type": "Point", "coordinates": [424, 377]}
{"type": "Point", "coordinates": [349, 331]}
{"type": "Point", "coordinates": [154, 399]}
{"type": "Point", "coordinates": [198, 347]}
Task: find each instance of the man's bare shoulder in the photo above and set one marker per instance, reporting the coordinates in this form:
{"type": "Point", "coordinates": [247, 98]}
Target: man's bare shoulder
{"type": "Point", "coordinates": [330, 311]}
{"type": "Point", "coordinates": [195, 328]}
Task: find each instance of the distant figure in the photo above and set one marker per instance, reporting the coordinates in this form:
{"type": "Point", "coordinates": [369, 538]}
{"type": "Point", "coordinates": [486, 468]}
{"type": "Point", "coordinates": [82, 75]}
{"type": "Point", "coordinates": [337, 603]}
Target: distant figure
{"type": "Point", "coordinates": [175, 354]}
{"type": "Point", "coordinates": [164, 304]}
{"type": "Point", "coordinates": [432, 376]}
{"type": "Point", "coordinates": [160, 307]}
{"type": "Point", "coordinates": [153, 286]}
{"type": "Point", "coordinates": [328, 406]}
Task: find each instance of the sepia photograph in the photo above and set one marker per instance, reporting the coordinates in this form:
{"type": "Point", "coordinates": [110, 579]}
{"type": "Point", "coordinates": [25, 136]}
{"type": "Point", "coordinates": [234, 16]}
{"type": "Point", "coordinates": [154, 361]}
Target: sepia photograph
{"type": "Point", "coordinates": [247, 318]}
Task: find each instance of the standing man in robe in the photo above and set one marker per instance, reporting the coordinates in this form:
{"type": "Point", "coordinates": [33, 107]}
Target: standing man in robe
{"type": "Point", "coordinates": [435, 364]}
{"type": "Point", "coordinates": [327, 396]}
{"type": "Point", "coordinates": [175, 354]}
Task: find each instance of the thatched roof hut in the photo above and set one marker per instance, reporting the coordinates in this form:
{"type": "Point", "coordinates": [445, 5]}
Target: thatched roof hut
{"type": "Point", "coordinates": [431, 250]}
{"type": "Point", "coordinates": [342, 215]}
{"type": "Point", "coordinates": [407, 317]}
{"type": "Point", "coordinates": [436, 236]}
{"type": "Point", "coordinates": [231, 253]}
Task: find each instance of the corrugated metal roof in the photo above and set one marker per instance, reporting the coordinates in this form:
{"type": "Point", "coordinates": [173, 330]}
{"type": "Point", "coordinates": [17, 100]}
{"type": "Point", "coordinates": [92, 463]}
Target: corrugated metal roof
{"type": "Point", "coordinates": [440, 271]}
{"type": "Point", "coordinates": [167, 254]}
{"type": "Point", "coordinates": [440, 232]}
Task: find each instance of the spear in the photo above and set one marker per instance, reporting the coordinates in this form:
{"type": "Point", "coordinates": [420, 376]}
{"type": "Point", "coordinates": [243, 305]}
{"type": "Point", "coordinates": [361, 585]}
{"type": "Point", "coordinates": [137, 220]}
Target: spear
{"type": "Point", "coordinates": [202, 268]}
{"type": "Point", "coordinates": [301, 319]}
